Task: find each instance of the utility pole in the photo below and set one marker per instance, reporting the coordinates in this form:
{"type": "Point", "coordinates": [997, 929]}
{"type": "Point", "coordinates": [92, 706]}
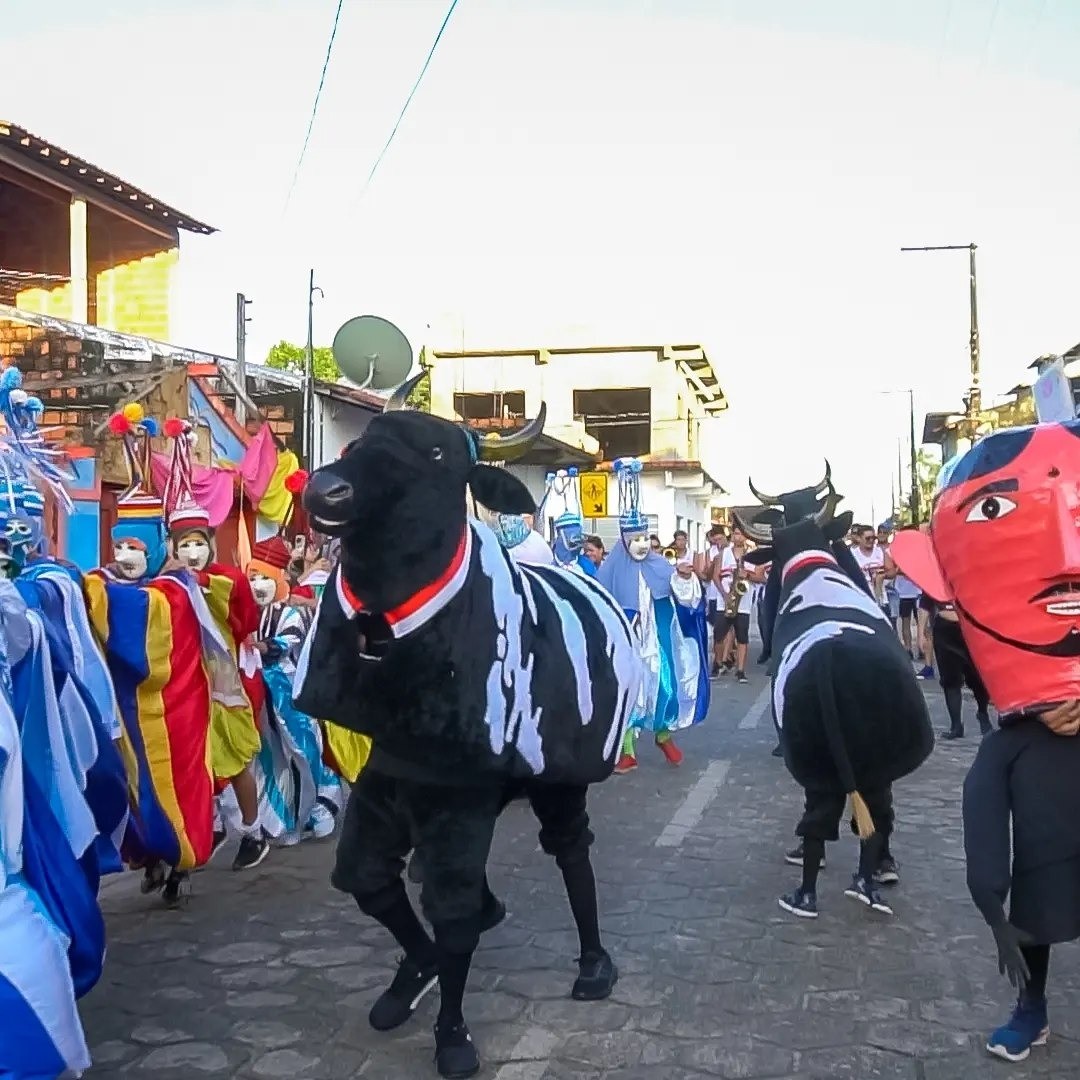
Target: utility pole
{"type": "Point", "coordinates": [974, 399]}
{"type": "Point", "coordinates": [309, 377]}
{"type": "Point", "coordinates": [241, 352]}
{"type": "Point", "coordinates": [915, 495]}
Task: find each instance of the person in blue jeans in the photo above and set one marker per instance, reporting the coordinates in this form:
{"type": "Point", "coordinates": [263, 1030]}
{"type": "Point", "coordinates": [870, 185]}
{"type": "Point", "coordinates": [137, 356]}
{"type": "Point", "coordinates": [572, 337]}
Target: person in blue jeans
{"type": "Point", "coordinates": [1021, 796]}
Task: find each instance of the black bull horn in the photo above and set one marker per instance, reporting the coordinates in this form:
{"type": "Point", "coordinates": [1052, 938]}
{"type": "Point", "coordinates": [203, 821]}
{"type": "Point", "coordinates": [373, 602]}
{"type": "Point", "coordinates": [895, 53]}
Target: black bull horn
{"type": "Point", "coordinates": [762, 534]}
{"type": "Point", "coordinates": [489, 448]}
{"type": "Point", "coordinates": [776, 500]}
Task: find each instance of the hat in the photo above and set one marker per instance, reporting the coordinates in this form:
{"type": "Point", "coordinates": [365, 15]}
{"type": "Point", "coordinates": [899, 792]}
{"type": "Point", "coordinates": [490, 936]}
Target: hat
{"type": "Point", "coordinates": [270, 558]}
{"type": "Point", "coordinates": [185, 514]}
{"type": "Point", "coordinates": [632, 522]}
{"type": "Point", "coordinates": [567, 520]}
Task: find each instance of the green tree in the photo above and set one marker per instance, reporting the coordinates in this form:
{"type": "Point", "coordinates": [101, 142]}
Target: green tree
{"type": "Point", "coordinates": [927, 469]}
{"type": "Point", "coordinates": [285, 356]}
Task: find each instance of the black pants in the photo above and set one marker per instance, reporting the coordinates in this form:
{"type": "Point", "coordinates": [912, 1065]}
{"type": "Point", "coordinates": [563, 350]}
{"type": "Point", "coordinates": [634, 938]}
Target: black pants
{"type": "Point", "coordinates": [955, 666]}
{"type": "Point", "coordinates": [452, 828]}
{"type": "Point", "coordinates": [824, 810]}
{"type": "Point", "coordinates": [562, 811]}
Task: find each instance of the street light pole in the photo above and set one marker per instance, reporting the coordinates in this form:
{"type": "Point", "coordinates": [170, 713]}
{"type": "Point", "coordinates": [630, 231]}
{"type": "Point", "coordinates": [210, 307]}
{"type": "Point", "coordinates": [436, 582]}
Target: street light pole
{"type": "Point", "coordinates": [974, 402]}
{"type": "Point", "coordinates": [915, 495]}
{"type": "Point", "coordinates": [309, 376]}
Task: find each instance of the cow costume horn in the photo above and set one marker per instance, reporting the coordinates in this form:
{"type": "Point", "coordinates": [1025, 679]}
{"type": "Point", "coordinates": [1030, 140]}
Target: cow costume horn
{"type": "Point", "coordinates": [823, 485]}
{"type": "Point", "coordinates": [491, 447]}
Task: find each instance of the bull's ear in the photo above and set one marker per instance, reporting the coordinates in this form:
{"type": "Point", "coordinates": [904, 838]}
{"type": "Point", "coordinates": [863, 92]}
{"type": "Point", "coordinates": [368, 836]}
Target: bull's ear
{"type": "Point", "coordinates": [771, 516]}
{"type": "Point", "coordinates": [840, 526]}
{"type": "Point", "coordinates": [759, 556]}
{"type": "Point", "coordinates": [500, 491]}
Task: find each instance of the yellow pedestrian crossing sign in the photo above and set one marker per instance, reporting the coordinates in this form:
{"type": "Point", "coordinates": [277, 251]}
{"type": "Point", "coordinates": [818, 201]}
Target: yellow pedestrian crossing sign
{"type": "Point", "coordinates": [594, 494]}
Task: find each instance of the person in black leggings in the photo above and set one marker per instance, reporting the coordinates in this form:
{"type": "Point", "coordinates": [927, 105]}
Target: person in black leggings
{"type": "Point", "coordinates": [955, 669]}
{"type": "Point", "coordinates": [1021, 799]}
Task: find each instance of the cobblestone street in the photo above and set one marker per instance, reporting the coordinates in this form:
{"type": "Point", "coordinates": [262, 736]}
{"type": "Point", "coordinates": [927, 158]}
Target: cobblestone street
{"type": "Point", "coordinates": [271, 973]}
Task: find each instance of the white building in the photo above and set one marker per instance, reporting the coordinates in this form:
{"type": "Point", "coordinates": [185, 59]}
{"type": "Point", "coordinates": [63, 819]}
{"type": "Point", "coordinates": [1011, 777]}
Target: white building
{"type": "Point", "coordinates": [603, 402]}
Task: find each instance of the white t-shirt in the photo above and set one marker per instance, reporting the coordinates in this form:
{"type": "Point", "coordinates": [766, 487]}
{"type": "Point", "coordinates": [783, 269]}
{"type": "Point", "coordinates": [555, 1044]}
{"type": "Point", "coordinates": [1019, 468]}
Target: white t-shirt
{"type": "Point", "coordinates": [868, 563]}
{"type": "Point", "coordinates": [712, 593]}
{"type": "Point", "coordinates": [727, 569]}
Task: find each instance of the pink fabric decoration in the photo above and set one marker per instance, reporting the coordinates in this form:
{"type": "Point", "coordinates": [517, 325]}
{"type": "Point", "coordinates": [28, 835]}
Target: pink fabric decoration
{"type": "Point", "coordinates": [213, 488]}
{"type": "Point", "coordinates": [258, 464]}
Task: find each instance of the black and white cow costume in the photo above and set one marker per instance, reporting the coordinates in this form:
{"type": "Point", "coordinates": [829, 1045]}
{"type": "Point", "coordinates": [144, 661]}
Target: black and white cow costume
{"type": "Point", "coordinates": [851, 714]}
{"type": "Point", "coordinates": [475, 676]}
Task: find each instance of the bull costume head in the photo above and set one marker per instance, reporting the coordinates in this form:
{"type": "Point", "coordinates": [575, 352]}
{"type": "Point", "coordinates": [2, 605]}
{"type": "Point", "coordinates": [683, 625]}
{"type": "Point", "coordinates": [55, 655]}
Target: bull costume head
{"type": "Point", "coordinates": [399, 497]}
{"type": "Point", "coordinates": [1018, 601]}
{"type": "Point", "coordinates": [817, 503]}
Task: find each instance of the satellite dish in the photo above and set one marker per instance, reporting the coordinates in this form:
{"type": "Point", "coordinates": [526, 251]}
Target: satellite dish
{"type": "Point", "coordinates": [373, 353]}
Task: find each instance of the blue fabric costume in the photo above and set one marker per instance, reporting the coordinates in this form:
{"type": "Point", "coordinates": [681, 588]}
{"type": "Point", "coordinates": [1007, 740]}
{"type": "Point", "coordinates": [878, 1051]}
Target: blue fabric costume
{"type": "Point", "coordinates": [668, 615]}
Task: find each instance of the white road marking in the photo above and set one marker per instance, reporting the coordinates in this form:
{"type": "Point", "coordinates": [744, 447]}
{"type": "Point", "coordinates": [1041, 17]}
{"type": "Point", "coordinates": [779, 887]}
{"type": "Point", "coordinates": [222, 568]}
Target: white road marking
{"type": "Point", "coordinates": [693, 807]}
{"type": "Point", "coordinates": [536, 1046]}
{"type": "Point", "coordinates": [757, 710]}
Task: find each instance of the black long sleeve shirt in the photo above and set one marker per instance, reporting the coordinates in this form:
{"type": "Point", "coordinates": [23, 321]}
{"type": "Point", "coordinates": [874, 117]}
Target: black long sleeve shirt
{"type": "Point", "coordinates": [1025, 775]}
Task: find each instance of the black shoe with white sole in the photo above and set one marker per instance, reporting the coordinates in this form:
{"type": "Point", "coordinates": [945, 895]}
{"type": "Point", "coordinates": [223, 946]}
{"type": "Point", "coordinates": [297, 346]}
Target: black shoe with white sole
{"type": "Point", "coordinates": [865, 892]}
{"type": "Point", "coordinates": [252, 851]}
{"type": "Point", "coordinates": [887, 873]}
{"type": "Point", "coordinates": [455, 1055]}
{"type": "Point", "coordinates": [800, 903]}
{"type": "Point", "coordinates": [794, 857]}
{"type": "Point", "coordinates": [396, 1004]}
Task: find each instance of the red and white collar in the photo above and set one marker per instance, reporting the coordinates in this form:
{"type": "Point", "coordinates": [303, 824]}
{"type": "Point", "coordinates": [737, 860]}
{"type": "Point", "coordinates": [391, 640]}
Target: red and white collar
{"type": "Point", "coordinates": [424, 605]}
{"type": "Point", "coordinates": [806, 559]}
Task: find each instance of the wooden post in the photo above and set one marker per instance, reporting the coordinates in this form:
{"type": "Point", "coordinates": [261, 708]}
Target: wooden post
{"type": "Point", "coordinates": [80, 286]}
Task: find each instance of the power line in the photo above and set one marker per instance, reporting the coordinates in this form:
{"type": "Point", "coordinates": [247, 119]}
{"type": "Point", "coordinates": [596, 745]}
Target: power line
{"type": "Point", "coordinates": [408, 100]}
{"type": "Point", "coordinates": [315, 106]}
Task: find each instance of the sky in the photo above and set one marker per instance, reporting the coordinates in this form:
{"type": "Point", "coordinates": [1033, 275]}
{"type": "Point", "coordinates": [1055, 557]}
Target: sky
{"type": "Point", "coordinates": [728, 172]}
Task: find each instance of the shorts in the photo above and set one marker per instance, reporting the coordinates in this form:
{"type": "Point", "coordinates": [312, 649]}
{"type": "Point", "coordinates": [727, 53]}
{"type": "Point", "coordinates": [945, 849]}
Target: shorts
{"type": "Point", "coordinates": [740, 623]}
{"type": "Point", "coordinates": [907, 606]}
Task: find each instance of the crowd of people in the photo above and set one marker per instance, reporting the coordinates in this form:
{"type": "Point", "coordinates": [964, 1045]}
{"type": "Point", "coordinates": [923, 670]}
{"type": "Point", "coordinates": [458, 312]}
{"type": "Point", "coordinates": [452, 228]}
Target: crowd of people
{"type": "Point", "coordinates": [154, 706]}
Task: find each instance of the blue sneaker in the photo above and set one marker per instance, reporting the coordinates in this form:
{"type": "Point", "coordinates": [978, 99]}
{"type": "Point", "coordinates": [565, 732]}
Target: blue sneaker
{"type": "Point", "coordinates": [1028, 1027]}
{"type": "Point", "coordinates": [926, 673]}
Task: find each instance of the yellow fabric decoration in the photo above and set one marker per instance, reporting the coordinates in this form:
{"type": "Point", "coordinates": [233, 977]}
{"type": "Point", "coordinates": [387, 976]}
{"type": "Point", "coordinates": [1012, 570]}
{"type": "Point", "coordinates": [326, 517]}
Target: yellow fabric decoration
{"type": "Point", "coordinates": [276, 502]}
{"type": "Point", "coordinates": [349, 750]}
{"type": "Point", "coordinates": [133, 412]}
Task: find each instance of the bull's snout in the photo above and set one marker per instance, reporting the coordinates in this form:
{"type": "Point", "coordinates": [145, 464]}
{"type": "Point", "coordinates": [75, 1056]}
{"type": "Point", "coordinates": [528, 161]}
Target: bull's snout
{"type": "Point", "coordinates": [328, 500]}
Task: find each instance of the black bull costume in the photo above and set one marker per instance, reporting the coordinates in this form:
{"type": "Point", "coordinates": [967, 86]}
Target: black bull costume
{"type": "Point", "coordinates": [476, 678]}
{"type": "Point", "coordinates": [851, 715]}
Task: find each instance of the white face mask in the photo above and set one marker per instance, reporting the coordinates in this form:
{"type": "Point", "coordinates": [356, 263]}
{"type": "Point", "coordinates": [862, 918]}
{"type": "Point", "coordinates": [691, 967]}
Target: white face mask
{"type": "Point", "coordinates": [193, 551]}
{"type": "Point", "coordinates": [264, 589]}
{"type": "Point", "coordinates": [637, 546]}
{"type": "Point", "coordinates": [131, 560]}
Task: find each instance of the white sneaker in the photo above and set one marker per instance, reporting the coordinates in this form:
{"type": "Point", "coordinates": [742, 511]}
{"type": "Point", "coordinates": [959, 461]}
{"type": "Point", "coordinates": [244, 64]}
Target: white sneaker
{"type": "Point", "coordinates": [321, 823]}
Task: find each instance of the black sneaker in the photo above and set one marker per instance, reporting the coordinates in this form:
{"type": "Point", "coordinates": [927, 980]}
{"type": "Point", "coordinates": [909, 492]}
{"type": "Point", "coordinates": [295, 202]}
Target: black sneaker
{"type": "Point", "coordinates": [455, 1055]}
{"type": "Point", "coordinates": [153, 879]}
{"type": "Point", "coordinates": [778, 751]}
{"type": "Point", "coordinates": [597, 976]}
{"type": "Point", "coordinates": [740, 676]}
{"type": "Point", "coordinates": [802, 904]}
{"type": "Point", "coordinates": [985, 727]}
{"type": "Point", "coordinates": [887, 872]}
{"type": "Point", "coordinates": [253, 849]}
{"type": "Point", "coordinates": [714, 671]}
{"type": "Point", "coordinates": [399, 1002]}
{"type": "Point", "coordinates": [862, 890]}
{"type": "Point", "coordinates": [951, 734]}
{"type": "Point", "coordinates": [795, 857]}
{"type": "Point", "coordinates": [177, 889]}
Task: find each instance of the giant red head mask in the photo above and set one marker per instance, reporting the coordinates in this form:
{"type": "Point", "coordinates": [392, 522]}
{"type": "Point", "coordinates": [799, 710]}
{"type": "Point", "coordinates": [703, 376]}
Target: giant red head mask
{"type": "Point", "coordinates": [1004, 548]}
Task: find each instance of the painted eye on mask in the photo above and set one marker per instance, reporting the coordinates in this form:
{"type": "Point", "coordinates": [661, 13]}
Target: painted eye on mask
{"type": "Point", "coordinates": [991, 508]}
